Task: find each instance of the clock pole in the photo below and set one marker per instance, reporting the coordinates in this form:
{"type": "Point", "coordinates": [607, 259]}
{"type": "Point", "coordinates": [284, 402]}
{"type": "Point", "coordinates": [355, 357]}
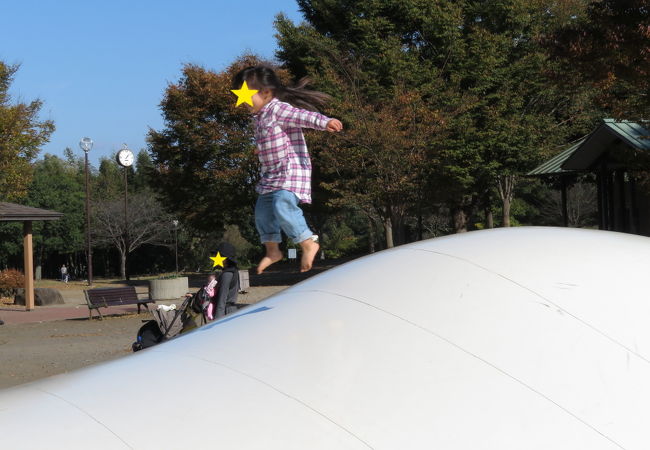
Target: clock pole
{"type": "Point", "coordinates": [125, 164]}
{"type": "Point", "coordinates": [126, 224]}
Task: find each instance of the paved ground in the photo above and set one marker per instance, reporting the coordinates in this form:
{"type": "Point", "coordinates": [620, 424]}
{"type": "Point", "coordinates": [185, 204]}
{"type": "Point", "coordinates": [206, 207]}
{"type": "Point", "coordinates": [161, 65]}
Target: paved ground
{"type": "Point", "coordinates": [75, 306]}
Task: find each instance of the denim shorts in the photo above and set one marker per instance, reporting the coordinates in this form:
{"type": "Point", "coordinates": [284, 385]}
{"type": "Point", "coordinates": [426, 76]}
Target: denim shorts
{"type": "Point", "coordinates": [279, 211]}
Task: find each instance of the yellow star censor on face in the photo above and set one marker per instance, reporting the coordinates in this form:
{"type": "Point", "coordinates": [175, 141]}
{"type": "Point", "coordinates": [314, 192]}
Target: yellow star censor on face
{"type": "Point", "coordinates": [218, 260]}
{"type": "Point", "coordinates": [244, 95]}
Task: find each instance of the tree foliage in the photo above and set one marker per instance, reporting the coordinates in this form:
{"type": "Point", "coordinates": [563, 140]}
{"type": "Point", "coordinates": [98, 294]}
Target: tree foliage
{"type": "Point", "coordinates": [392, 98]}
{"type": "Point", "coordinates": [609, 45]}
{"type": "Point", "coordinates": [454, 98]}
{"type": "Point", "coordinates": [203, 160]}
{"type": "Point", "coordinates": [21, 136]}
{"type": "Point", "coordinates": [58, 186]}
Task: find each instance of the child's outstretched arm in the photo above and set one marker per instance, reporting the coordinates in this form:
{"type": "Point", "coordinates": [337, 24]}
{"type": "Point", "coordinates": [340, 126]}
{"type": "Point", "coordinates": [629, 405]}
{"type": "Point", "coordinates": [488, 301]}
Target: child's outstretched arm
{"type": "Point", "coordinates": [290, 116]}
{"type": "Point", "coordinates": [334, 125]}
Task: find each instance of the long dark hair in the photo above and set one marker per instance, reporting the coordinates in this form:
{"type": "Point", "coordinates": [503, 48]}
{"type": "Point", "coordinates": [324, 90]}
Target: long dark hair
{"type": "Point", "coordinates": [264, 77]}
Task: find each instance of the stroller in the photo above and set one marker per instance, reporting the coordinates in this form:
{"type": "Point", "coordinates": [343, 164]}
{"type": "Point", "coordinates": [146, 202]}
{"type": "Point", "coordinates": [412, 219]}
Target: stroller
{"type": "Point", "coordinates": [167, 324]}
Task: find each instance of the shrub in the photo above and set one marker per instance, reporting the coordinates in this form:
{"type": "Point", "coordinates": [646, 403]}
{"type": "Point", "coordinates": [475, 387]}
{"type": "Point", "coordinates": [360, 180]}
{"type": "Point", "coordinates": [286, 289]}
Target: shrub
{"type": "Point", "coordinates": [339, 240]}
{"type": "Point", "coordinates": [10, 279]}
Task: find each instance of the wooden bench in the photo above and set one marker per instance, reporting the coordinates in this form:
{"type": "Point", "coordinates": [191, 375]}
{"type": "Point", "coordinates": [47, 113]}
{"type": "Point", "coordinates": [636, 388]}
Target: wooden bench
{"type": "Point", "coordinates": [105, 297]}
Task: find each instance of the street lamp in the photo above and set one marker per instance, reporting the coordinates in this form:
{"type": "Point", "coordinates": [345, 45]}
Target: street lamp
{"type": "Point", "coordinates": [175, 222]}
{"type": "Point", "coordinates": [86, 144]}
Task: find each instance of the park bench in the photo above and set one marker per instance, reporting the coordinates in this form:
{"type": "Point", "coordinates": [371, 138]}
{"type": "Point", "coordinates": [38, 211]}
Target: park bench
{"type": "Point", "coordinates": [106, 297]}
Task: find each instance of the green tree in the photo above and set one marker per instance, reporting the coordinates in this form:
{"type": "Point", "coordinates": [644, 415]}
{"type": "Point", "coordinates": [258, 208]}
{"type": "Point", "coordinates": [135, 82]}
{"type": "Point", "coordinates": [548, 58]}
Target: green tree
{"type": "Point", "coordinates": [10, 245]}
{"type": "Point", "coordinates": [204, 162]}
{"type": "Point", "coordinates": [608, 46]}
{"type": "Point", "coordinates": [108, 182]}
{"type": "Point", "coordinates": [144, 169]}
{"type": "Point", "coordinates": [520, 114]}
{"type": "Point", "coordinates": [476, 72]}
{"type": "Point", "coordinates": [373, 58]}
{"type": "Point", "coordinates": [21, 136]}
{"type": "Point", "coordinates": [57, 186]}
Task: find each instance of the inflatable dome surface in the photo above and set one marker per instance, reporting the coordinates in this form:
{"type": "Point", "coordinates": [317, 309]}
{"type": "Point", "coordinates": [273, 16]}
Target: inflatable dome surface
{"type": "Point", "coordinates": [506, 339]}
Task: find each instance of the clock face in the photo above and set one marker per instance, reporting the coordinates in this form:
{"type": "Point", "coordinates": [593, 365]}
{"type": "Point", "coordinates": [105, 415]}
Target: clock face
{"type": "Point", "coordinates": [125, 158]}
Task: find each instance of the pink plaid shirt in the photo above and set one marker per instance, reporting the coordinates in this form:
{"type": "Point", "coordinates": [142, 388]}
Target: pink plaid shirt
{"type": "Point", "coordinates": [282, 150]}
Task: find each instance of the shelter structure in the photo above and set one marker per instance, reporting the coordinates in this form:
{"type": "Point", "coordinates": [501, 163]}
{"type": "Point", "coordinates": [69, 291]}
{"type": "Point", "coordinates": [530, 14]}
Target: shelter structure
{"type": "Point", "coordinates": [11, 212]}
{"type": "Point", "coordinates": [613, 152]}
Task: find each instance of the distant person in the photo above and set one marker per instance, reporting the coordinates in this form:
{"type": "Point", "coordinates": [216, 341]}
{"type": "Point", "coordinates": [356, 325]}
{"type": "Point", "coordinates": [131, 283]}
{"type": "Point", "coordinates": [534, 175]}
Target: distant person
{"type": "Point", "coordinates": [228, 283]}
{"type": "Point", "coordinates": [285, 164]}
{"type": "Point", "coordinates": [64, 274]}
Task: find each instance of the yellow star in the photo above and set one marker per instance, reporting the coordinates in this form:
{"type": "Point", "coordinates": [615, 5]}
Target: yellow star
{"type": "Point", "coordinates": [218, 260]}
{"type": "Point", "coordinates": [244, 95]}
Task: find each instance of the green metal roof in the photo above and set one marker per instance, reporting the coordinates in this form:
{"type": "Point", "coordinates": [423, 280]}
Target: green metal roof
{"type": "Point", "coordinates": [635, 134]}
{"type": "Point", "coordinates": [585, 153]}
{"type": "Point", "coordinates": [604, 138]}
{"type": "Point", "coordinates": [554, 165]}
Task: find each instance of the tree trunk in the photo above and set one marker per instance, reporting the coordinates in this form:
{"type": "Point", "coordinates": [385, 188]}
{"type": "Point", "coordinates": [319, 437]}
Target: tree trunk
{"type": "Point", "coordinates": [371, 236]}
{"type": "Point", "coordinates": [506, 188]}
{"type": "Point", "coordinates": [123, 265]}
{"type": "Point", "coordinates": [38, 269]}
{"type": "Point", "coordinates": [399, 231]}
{"type": "Point", "coordinates": [487, 209]}
{"type": "Point", "coordinates": [506, 212]}
{"type": "Point", "coordinates": [489, 218]}
{"type": "Point", "coordinates": [460, 220]}
{"type": "Point", "coordinates": [388, 229]}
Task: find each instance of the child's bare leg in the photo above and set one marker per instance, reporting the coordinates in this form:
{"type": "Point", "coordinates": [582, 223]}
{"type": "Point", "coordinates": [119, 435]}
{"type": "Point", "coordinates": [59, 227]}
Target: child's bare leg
{"type": "Point", "coordinates": [273, 255]}
{"type": "Point", "coordinates": [309, 250]}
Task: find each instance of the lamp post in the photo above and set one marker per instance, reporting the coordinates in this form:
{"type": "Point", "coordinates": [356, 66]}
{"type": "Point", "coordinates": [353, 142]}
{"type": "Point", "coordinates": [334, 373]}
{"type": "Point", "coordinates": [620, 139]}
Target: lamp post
{"type": "Point", "coordinates": [175, 222]}
{"type": "Point", "coordinates": [86, 145]}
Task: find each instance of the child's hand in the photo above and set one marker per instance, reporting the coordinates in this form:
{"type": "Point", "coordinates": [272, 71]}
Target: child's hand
{"type": "Point", "coordinates": [334, 125]}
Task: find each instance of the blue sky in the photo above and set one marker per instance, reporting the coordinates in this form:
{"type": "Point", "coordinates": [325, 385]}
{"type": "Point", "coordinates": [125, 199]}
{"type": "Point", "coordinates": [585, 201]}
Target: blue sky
{"type": "Point", "coordinates": [101, 67]}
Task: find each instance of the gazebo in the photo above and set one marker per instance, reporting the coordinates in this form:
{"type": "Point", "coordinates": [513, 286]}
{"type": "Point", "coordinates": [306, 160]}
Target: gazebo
{"type": "Point", "coordinates": [11, 212]}
{"type": "Point", "coordinates": [612, 152]}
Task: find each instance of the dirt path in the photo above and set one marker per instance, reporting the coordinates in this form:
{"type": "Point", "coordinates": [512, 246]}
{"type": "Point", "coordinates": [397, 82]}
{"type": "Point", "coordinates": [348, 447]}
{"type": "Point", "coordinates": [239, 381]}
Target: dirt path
{"type": "Point", "coordinates": [36, 350]}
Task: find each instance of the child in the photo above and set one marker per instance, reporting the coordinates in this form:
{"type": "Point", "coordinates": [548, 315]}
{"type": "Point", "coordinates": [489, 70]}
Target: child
{"type": "Point", "coordinates": [210, 290]}
{"type": "Point", "coordinates": [286, 167]}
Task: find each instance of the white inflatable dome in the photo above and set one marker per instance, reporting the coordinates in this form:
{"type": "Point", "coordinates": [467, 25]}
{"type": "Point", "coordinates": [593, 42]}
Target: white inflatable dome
{"type": "Point", "coordinates": [508, 339]}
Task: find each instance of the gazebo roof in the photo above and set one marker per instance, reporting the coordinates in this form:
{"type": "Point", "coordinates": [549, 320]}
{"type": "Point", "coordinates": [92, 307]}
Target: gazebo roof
{"type": "Point", "coordinates": [607, 136]}
{"type": "Point", "coordinates": [554, 165]}
{"type": "Point", "coordinates": [11, 212]}
{"type": "Point", "coordinates": [611, 134]}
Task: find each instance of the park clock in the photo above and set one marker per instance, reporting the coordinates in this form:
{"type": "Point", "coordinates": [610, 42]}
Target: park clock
{"type": "Point", "coordinates": [125, 157]}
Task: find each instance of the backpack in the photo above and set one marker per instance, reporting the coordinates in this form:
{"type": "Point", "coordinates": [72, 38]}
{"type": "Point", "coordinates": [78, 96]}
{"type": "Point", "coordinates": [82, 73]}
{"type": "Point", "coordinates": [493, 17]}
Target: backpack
{"type": "Point", "coordinates": [149, 335]}
{"type": "Point", "coordinates": [200, 301]}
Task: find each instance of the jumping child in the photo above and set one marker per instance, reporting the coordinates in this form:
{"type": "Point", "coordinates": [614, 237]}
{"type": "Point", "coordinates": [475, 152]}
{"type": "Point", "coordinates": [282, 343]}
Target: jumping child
{"type": "Point", "coordinates": [286, 167]}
